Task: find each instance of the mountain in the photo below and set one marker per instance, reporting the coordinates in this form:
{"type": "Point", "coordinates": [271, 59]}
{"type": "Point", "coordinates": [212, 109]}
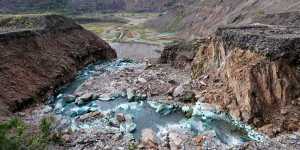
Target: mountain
{"type": "Point", "coordinates": [201, 18]}
{"type": "Point", "coordinates": [78, 6]}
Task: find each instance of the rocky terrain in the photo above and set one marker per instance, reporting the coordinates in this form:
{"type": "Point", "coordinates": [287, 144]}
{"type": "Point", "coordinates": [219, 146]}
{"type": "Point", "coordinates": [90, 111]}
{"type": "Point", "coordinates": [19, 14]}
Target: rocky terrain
{"type": "Point", "coordinates": [202, 18]}
{"type": "Point", "coordinates": [234, 85]}
{"type": "Point", "coordinates": [40, 53]}
{"type": "Point", "coordinates": [255, 72]}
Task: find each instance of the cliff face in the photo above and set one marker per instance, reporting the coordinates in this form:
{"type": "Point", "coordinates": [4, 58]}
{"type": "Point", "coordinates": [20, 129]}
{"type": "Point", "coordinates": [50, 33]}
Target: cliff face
{"type": "Point", "coordinates": [181, 53]}
{"type": "Point", "coordinates": [34, 61]}
{"type": "Point", "coordinates": [254, 74]}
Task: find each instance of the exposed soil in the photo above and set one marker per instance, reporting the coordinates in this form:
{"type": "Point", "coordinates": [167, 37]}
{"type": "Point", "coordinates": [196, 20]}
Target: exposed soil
{"type": "Point", "coordinates": [34, 62]}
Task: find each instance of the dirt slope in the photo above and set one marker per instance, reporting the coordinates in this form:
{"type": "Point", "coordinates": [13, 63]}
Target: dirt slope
{"type": "Point", "coordinates": [35, 59]}
{"type": "Point", "coordinates": [201, 18]}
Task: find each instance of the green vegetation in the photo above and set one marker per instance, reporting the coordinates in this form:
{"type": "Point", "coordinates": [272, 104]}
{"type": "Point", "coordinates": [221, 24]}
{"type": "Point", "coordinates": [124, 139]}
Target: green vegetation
{"type": "Point", "coordinates": [15, 135]}
{"type": "Point", "coordinates": [19, 22]}
{"type": "Point", "coordinates": [132, 146]}
{"type": "Point", "coordinates": [260, 13]}
{"type": "Point", "coordinates": [96, 28]}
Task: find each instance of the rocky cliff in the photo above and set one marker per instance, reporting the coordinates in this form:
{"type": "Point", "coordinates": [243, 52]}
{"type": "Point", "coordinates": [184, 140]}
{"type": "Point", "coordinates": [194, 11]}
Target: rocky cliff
{"type": "Point", "coordinates": [253, 73]}
{"type": "Point", "coordinates": [180, 53]}
{"type": "Point", "coordinates": [40, 53]}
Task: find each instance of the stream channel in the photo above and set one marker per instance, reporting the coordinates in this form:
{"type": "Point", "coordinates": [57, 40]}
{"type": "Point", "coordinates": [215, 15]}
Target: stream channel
{"type": "Point", "coordinates": [144, 113]}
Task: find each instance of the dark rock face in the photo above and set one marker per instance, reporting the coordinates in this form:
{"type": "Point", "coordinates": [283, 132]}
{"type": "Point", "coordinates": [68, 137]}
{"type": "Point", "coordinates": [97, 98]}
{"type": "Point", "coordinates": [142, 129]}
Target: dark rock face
{"type": "Point", "coordinates": [33, 62]}
{"type": "Point", "coordinates": [181, 53]}
{"type": "Point", "coordinates": [270, 41]}
{"type": "Point", "coordinates": [258, 68]}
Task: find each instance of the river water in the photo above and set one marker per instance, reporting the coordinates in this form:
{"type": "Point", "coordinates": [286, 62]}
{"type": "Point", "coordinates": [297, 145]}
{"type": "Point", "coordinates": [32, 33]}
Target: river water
{"type": "Point", "coordinates": [142, 114]}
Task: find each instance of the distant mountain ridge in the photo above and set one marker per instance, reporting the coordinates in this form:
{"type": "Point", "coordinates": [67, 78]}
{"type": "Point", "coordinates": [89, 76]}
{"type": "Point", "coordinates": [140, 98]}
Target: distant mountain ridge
{"type": "Point", "coordinates": [78, 6]}
{"type": "Point", "coordinates": [203, 17]}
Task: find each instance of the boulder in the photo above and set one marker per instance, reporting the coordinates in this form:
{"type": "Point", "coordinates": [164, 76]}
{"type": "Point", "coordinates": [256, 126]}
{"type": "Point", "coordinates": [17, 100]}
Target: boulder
{"type": "Point", "coordinates": [69, 98]}
{"type": "Point", "coordinates": [149, 139]}
{"type": "Point", "coordinates": [120, 117]}
{"type": "Point", "coordinates": [177, 140]}
{"type": "Point", "coordinates": [85, 98]}
{"type": "Point", "coordinates": [180, 53]}
{"type": "Point", "coordinates": [130, 94]}
{"type": "Point", "coordinates": [148, 135]}
{"type": "Point", "coordinates": [184, 93]}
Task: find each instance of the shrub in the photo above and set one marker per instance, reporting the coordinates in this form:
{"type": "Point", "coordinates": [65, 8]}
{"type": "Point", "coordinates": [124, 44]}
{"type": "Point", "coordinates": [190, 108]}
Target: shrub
{"type": "Point", "coordinates": [14, 135]}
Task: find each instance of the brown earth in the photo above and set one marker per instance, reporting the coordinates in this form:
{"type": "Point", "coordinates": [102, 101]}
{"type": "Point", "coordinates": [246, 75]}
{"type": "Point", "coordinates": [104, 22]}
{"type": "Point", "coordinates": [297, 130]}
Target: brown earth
{"type": "Point", "coordinates": [253, 73]}
{"type": "Point", "coordinates": [33, 62]}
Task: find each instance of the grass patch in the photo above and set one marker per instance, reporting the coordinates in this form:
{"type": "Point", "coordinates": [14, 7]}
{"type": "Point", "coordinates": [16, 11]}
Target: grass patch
{"type": "Point", "coordinates": [15, 135]}
{"type": "Point", "coordinates": [96, 28]}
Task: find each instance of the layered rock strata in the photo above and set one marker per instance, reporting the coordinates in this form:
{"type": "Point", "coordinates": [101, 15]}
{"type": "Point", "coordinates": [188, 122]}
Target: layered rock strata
{"type": "Point", "coordinates": [253, 72]}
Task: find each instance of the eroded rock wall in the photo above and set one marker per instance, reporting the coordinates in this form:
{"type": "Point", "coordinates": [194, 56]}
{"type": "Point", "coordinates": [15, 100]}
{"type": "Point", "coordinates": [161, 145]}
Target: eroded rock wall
{"type": "Point", "coordinates": [258, 70]}
{"type": "Point", "coordinates": [180, 54]}
{"type": "Point", "coordinates": [33, 62]}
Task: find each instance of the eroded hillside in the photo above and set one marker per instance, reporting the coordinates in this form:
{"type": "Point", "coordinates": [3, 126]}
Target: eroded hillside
{"type": "Point", "coordinates": [40, 53]}
{"type": "Point", "coordinates": [202, 18]}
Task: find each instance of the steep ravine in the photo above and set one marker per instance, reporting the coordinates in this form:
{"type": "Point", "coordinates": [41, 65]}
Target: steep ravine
{"type": "Point", "coordinates": [221, 92]}
{"type": "Point", "coordinates": [149, 105]}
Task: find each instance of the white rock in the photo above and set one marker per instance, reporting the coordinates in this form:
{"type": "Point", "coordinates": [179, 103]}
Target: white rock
{"type": "Point", "coordinates": [47, 109]}
{"type": "Point", "coordinates": [148, 135]}
{"type": "Point", "coordinates": [142, 80]}
{"type": "Point", "coordinates": [86, 96]}
{"type": "Point", "coordinates": [130, 94]}
{"type": "Point", "coordinates": [105, 97]}
{"type": "Point", "coordinates": [176, 138]}
{"type": "Point", "coordinates": [178, 91]}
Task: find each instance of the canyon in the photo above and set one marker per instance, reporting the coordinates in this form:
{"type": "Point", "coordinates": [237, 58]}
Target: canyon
{"type": "Point", "coordinates": [173, 74]}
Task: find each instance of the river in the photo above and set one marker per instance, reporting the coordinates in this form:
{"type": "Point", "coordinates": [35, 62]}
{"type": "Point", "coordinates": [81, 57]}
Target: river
{"type": "Point", "coordinates": [141, 113]}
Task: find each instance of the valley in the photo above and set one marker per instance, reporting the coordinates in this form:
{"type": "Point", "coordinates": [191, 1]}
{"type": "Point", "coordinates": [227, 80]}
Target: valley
{"type": "Point", "coordinates": [159, 75]}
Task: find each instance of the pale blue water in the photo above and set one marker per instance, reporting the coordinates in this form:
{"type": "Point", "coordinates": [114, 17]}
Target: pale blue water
{"type": "Point", "coordinates": [150, 115]}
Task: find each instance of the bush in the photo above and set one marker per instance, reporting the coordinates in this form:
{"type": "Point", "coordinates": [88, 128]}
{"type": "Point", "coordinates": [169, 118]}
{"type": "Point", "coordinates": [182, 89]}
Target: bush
{"type": "Point", "coordinates": [14, 135]}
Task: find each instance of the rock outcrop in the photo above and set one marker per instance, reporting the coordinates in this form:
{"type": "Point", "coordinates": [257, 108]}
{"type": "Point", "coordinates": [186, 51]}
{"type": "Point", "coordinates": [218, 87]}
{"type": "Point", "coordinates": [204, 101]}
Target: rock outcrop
{"type": "Point", "coordinates": [180, 54]}
{"type": "Point", "coordinates": [40, 53]}
{"type": "Point", "coordinates": [254, 74]}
